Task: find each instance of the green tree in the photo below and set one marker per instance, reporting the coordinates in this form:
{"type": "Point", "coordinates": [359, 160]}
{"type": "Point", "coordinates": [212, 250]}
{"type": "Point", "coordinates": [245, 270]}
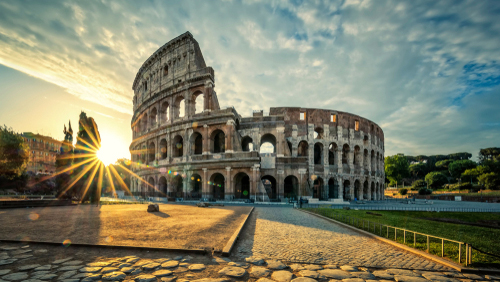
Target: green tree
{"type": "Point", "coordinates": [456, 168]}
{"type": "Point", "coordinates": [14, 154]}
{"type": "Point", "coordinates": [490, 180]}
{"type": "Point", "coordinates": [417, 170]}
{"type": "Point", "coordinates": [444, 164]}
{"type": "Point", "coordinates": [436, 179]}
{"type": "Point", "coordinates": [396, 168]}
{"type": "Point", "coordinates": [489, 154]}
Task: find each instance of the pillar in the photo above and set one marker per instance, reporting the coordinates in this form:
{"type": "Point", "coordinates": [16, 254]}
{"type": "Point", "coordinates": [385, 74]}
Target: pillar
{"type": "Point", "coordinates": [206, 141]}
{"type": "Point", "coordinates": [280, 189]}
{"type": "Point", "coordinates": [204, 188]}
{"type": "Point", "coordinates": [339, 160]}
{"type": "Point", "coordinates": [340, 188]}
{"type": "Point", "coordinates": [228, 188]}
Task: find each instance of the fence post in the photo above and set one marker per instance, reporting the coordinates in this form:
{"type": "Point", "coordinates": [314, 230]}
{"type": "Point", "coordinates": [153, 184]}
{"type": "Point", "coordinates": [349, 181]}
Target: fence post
{"type": "Point", "coordinates": [466, 254]}
{"type": "Point", "coordinates": [395, 233]}
{"type": "Point", "coordinates": [442, 247]}
{"type": "Point", "coordinates": [428, 244]}
{"type": "Point", "coordinates": [387, 231]}
{"type": "Point", "coordinates": [404, 234]}
{"type": "Point", "coordinates": [470, 254]}
{"type": "Point", "coordinates": [459, 253]}
{"type": "Point", "coordinates": [414, 239]}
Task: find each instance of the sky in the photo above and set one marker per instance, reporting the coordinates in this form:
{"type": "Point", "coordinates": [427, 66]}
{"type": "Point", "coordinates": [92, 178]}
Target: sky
{"type": "Point", "coordinates": [428, 72]}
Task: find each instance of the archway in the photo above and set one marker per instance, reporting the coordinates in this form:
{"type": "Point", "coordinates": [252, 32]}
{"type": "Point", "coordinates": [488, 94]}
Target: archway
{"type": "Point", "coordinates": [163, 149]}
{"type": "Point", "coordinates": [372, 161]}
{"type": "Point", "coordinates": [196, 144]}
{"type": "Point", "coordinates": [178, 147]}
{"type": "Point", "coordinates": [372, 192]}
{"type": "Point", "coordinates": [179, 108]}
{"type": "Point", "coordinates": [217, 182]}
{"type": "Point", "coordinates": [153, 117]}
{"type": "Point", "coordinates": [195, 186]}
{"type": "Point", "coordinates": [269, 183]}
{"type": "Point", "coordinates": [347, 190]}
{"type": "Point", "coordinates": [151, 187]}
{"type": "Point", "coordinates": [332, 149]}
{"type": "Point", "coordinates": [242, 186]}
{"type": "Point", "coordinates": [247, 144]}
{"type": "Point", "coordinates": [333, 189]}
{"type": "Point", "coordinates": [357, 190]}
{"type": "Point", "coordinates": [318, 188]}
{"type": "Point", "coordinates": [178, 186]}
{"type": "Point", "coordinates": [303, 149]}
{"type": "Point", "coordinates": [144, 123]}
{"type": "Point", "coordinates": [218, 142]}
{"type": "Point", "coordinates": [162, 186]}
{"type": "Point", "coordinates": [143, 154]}
{"type": "Point", "coordinates": [357, 156]}
{"type": "Point", "coordinates": [198, 102]}
{"type": "Point", "coordinates": [318, 154]}
{"type": "Point", "coordinates": [164, 112]}
{"type": "Point", "coordinates": [291, 187]}
{"type": "Point", "coordinates": [345, 154]}
{"type": "Point", "coordinates": [267, 144]}
{"type": "Point", "coordinates": [366, 195]}
{"type": "Point", "coordinates": [318, 133]}
{"type": "Point", "coordinates": [365, 159]}
{"type": "Point", "coordinates": [151, 152]}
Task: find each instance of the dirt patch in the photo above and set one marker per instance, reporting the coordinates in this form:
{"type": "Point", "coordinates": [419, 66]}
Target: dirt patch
{"type": "Point", "coordinates": [481, 223]}
{"type": "Point", "coordinates": [175, 226]}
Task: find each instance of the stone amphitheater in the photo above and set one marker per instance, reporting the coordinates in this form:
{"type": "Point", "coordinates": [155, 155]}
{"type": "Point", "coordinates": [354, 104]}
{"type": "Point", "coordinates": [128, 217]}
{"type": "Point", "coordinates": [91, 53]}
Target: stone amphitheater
{"type": "Point", "coordinates": [186, 146]}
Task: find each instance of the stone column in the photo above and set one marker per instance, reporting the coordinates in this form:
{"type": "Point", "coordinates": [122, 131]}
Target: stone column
{"type": "Point", "coordinates": [369, 189]}
{"type": "Point", "coordinates": [185, 181]}
{"type": "Point", "coordinates": [229, 137]}
{"type": "Point", "coordinates": [302, 172]}
{"type": "Point", "coordinates": [339, 160]}
{"type": "Point", "coordinates": [280, 189]}
{"type": "Point", "coordinates": [280, 152]}
{"type": "Point", "coordinates": [228, 188]}
{"type": "Point", "coordinates": [205, 192]}
{"type": "Point", "coordinates": [206, 141]}
{"type": "Point", "coordinates": [340, 188]}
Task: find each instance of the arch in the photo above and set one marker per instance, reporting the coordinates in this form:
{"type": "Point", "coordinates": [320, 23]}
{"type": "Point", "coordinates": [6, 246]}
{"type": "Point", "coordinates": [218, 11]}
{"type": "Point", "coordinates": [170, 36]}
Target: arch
{"type": "Point", "coordinates": [198, 102]}
{"type": "Point", "coordinates": [178, 186]}
{"type": "Point", "coordinates": [318, 188]}
{"type": "Point", "coordinates": [333, 188]}
{"type": "Point", "coordinates": [318, 154]}
{"type": "Point", "coordinates": [196, 143]}
{"type": "Point", "coordinates": [218, 141]}
{"type": "Point", "coordinates": [318, 133]}
{"type": "Point", "coordinates": [377, 166]}
{"type": "Point", "coordinates": [163, 149]}
{"type": "Point", "coordinates": [357, 156]}
{"type": "Point", "coordinates": [347, 190]}
{"type": "Point", "coordinates": [332, 149]}
{"type": "Point", "coordinates": [162, 186]}
{"type": "Point", "coordinates": [247, 144]}
{"type": "Point", "coordinates": [180, 107]}
{"type": "Point", "coordinates": [372, 158]}
{"type": "Point", "coordinates": [150, 189]}
{"type": "Point", "coordinates": [366, 194]}
{"type": "Point", "coordinates": [178, 147]}
{"type": "Point", "coordinates": [303, 149]}
{"type": "Point", "coordinates": [268, 143]}
{"type": "Point", "coordinates": [143, 153]}
{"type": "Point", "coordinates": [217, 185]}
{"type": "Point", "coordinates": [144, 122]}
{"type": "Point", "coordinates": [151, 152]}
{"type": "Point", "coordinates": [165, 70]}
{"type": "Point", "coordinates": [357, 189]}
{"type": "Point", "coordinates": [372, 192]}
{"type": "Point", "coordinates": [365, 159]}
{"type": "Point", "coordinates": [195, 186]}
{"type": "Point", "coordinates": [345, 154]}
{"type": "Point", "coordinates": [289, 147]}
{"type": "Point", "coordinates": [291, 187]}
{"type": "Point", "coordinates": [242, 185]}
{"type": "Point", "coordinates": [152, 117]}
{"type": "Point", "coordinates": [164, 112]}
{"type": "Point", "coordinates": [269, 183]}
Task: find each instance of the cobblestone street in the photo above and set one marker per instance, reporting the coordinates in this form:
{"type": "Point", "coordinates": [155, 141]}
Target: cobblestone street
{"type": "Point", "coordinates": [294, 236]}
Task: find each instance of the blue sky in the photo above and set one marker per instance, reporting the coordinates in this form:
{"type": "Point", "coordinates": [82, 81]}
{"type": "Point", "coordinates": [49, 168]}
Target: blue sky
{"type": "Point", "coordinates": [428, 72]}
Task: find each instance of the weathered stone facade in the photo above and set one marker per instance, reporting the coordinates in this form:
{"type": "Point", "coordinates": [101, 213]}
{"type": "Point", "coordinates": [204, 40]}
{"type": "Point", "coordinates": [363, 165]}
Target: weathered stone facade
{"type": "Point", "coordinates": [185, 145]}
{"type": "Point", "coordinates": [43, 152]}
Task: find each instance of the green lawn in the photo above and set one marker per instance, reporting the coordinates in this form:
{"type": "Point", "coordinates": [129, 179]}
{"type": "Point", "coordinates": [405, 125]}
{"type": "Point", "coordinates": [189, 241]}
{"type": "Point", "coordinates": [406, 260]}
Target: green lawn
{"type": "Point", "coordinates": [483, 238]}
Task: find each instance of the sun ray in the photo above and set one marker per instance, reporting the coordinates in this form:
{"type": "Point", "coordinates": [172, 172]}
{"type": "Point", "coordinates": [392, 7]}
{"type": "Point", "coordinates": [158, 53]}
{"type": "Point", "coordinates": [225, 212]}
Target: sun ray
{"type": "Point", "coordinates": [62, 171]}
{"type": "Point", "coordinates": [120, 180]}
{"type": "Point", "coordinates": [91, 135]}
{"type": "Point", "coordinates": [140, 178]}
{"type": "Point", "coordinates": [95, 149]}
{"type": "Point", "coordinates": [80, 175]}
{"type": "Point", "coordinates": [110, 180]}
{"type": "Point", "coordinates": [99, 183]}
{"type": "Point", "coordinates": [90, 179]}
{"type": "Point", "coordinates": [78, 156]}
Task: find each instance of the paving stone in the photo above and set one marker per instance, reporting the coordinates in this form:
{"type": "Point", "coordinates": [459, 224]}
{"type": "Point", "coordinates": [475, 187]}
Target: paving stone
{"type": "Point", "coordinates": [7, 261]}
{"type": "Point", "coordinates": [127, 269]}
{"type": "Point", "coordinates": [197, 267]}
{"type": "Point", "coordinates": [33, 280]}
{"type": "Point", "coordinates": [145, 278]}
{"type": "Point", "coordinates": [170, 264]}
{"type": "Point", "coordinates": [232, 271]}
{"type": "Point", "coordinates": [59, 261]}
{"type": "Point", "coordinates": [453, 274]}
{"type": "Point", "coordinates": [142, 262]}
{"type": "Point", "coordinates": [473, 276]}
{"type": "Point", "coordinates": [353, 280]}
{"type": "Point", "coordinates": [44, 267]}
{"type": "Point", "coordinates": [73, 262]}
{"type": "Point", "coordinates": [90, 269]}
{"type": "Point", "coordinates": [491, 277]}
{"type": "Point", "coordinates": [282, 276]}
{"type": "Point", "coordinates": [100, 263]}
{"type": "Point", "coordinates": [67, 274]}
{"type": "Point", "coordinates": [9, 248]}
{"type": "Point", "coordinates": [313, 267]}
{"type": "Point", "coordinates": [16, 276]}
{"type": "Point", "coordinates": [22, 256]}
{"type": "Point", "coordinates": [296, 267]}
{"type": "Point", "coordinates": [182, 280]}
{"type": "Point", "coordinates": [114, 276]}
{"type": "Point", "coordinates": [28, 267]}
{"type": "Point", "coordinates": [47, 276]}
{"type": "Point", "coordinates": [178, 258]}
{"type": "Point", "coordinates": [403, 272]}
{"type": "Point", "coordinates": [162, 260]}
{"type": "Point", "coordinates": [309, 274]}
{"type": "Point", "coordinates": [335, 274]}
{"type": "Point", "coordinates": [439, 278]}
{"type": "Point", "coordinates": [275, 264]}
{"type": "Point", "coordinates": [184, 264]}
{"type": "Point", "coordinates": [212, 280]}
{"type": "Point", "coordinates": [162, 272]}
{"type": "Point", "coordinates": [265, 280]}
{"type": "Point", "coordinates": [20, 252]}
{"type": "Point", "coordinates": [405, 278]}
{"type": "Point", "coordinates": [69, 267]}
{"type": "Point", "coordinates": [363, 275]}
{"type": "Point", "coordinates": [181, 270]}
{"type": "Point", "coordinates": [40, 251]}
{"type": "Point", "coordinates": [383, 274]}
{"type": "Point", "coordinates": [4, 271]}
{"type": "Point", "coordinates": [109, 269]}
{"type": "Point", "coordinates": [168, 279]}
{"type": "Point", "coordinates": [151, 266]}
{"type": "Point", "coordinates": [37, 274]}
{"type": "Point", "coordinates": [136, 271]}
{"type": "Point", "coordinates": [255, 260]}
{"type": "Point", "coordinates": [349, 268]}
{"type": "Point", "coordinates": [238, 264]}
{"type": "Point", "coordinates": [132, 260]}
{"type": "Point", "coordinates": [70, 280]}
{"type": "Point", "coordinates": [122, 265]}
{"type": "Point", "coordinates": [91, 277]}
{"type": "Point", "coordinates": [259, 272]}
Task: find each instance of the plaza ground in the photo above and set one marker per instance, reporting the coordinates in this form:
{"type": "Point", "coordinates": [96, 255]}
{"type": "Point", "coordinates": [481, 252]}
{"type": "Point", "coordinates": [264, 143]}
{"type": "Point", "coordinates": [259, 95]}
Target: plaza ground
{"type": "Point", "coordinates": [175, 226]}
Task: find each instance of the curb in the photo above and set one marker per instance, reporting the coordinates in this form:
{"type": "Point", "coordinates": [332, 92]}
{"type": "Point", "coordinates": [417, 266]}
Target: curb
{"type": "Point", "coordinates": [232, 241]}
{"type": "Point", "coordinates": [191, 251]}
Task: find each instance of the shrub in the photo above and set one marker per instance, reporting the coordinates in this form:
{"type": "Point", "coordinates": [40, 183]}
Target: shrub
{"type": "Point", "coordinates": [436, 179]}
{"type": "Point", "coordinates": [424, 191]}
{"type": "Point", "coordinates": [418, 184]}
{"type": "Point", "coordinates": [403, 191]}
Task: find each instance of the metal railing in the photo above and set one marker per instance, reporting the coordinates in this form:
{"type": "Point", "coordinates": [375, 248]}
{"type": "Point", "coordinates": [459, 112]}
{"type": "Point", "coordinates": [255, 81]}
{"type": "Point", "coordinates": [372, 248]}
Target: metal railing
{"type": "Point", "coordinates": [399, 208]}
{"type": "Point", "coordinates": [384, 231]}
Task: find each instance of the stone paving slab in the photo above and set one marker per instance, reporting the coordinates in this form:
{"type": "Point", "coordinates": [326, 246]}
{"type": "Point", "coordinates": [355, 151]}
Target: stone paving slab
{"type": "Point", "coordinates": [291, 235]}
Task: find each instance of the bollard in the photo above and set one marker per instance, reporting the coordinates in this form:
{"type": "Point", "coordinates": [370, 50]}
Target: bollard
{"type": "Point", "coordinates": [442, 247]}
{"type": "Point", "coordinates": [404, 234]}
{"type": "Point", "coordinates": [414, 239]}
{"type": "Point", "coordinates": [428, 244]}
{"type": "Point", "coordinates": [459, 252]}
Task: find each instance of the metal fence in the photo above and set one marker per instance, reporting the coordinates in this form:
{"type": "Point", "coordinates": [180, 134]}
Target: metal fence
{"type": "Point", "coordinates": [399, 208]}
{"type": "Point", "coordinates": [384, 230]}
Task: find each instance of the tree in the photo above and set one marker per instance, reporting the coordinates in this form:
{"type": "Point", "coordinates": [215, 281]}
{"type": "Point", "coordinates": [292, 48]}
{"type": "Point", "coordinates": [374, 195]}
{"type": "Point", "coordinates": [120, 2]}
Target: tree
{"type": "Point", "coordinates": [460, 156]}
{"type": "Point", "coordinates": [14, 154]}
{"type": "Point", "coordinates": [490, 180]}
{"type": "Point", "coordinates": [436, 179]}
{"type": "Point", "coordinates": [472, 173]}
{"type": "Point", "coordinates": [489, 154]}
{"type": "Point", "coordinates": [403, 191]}
{"type": "Point", "coordinates": [396, 168]}
{"type": "Point", "coordinates": [418, 169]}
{"type": "Point", "coordinates": [443, 165]}
{"type": "Point", "coordinates": [418, 184]}
{"type": "Point", "coordinates": [456, 168]}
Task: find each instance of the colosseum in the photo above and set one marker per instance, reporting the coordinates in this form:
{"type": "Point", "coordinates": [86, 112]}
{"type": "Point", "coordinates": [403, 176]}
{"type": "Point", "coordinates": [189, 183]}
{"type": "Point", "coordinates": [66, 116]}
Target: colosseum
{"type": "Point", "coordinates": [186, 146]}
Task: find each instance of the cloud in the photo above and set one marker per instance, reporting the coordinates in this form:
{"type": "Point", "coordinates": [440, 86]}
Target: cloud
{"type": "Point", "coordinates": [426, 71]}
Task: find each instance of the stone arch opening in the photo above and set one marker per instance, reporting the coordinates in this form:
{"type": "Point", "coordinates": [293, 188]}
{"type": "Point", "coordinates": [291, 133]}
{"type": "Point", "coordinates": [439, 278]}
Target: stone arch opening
{"type": "Point", "coordinates": [178, 147]}
{"type": "Point", "coordinates": [269, 183]}
{"type": "Point", "coordinates": [347, 190]}
{"type": "Point", "coordinates": [318, 133]}
{"type": "Point", "coordinates": [144, 122]}
{"type": "Point", "coordinates": [291, 187]}
{"type": "Point", "coordinates": [162, 186]}
{"type": "Point", "coordinates": [366, 194]}
{"type": "Point", "coordinates": [195, 186]}
{"type": "Point", "coordinates": [164, 112]}
{"type": "Point", "coordinates": [247, 144]}
{"type": "Point", "coordinates": [377, 167]}
{"type": "Point", "coordinates": [333, 188]}
{"type": "Point", "coordinates": [372, 191]}
{"type": "Point", "coordinates": [163, 149]}
{"type": "Point", "coordinates": [318, 188]}
{"type": "Point", "coordinates": [267, 143]}
{"type": "Point", "coordinates": [217, 185]}
{"type": "Point", "coordinates": [332, 151]}
{"type": "Point", "coordinates": [303, 149]}
{"type": "Point", "coordinates": [178, 189]}
{"type": "Point", "coordinates": [365, 159]}
{"type": "Point", "coordinates": [357, 190]}
{"type": "Point", "coordinates": [151, 152]}
{"type": "Point", "coordinates": [196, 143]}
{"type": "Point", "coordinates": [372, 160]}
{"type": "Point", "coordinates": [143, 154]}
{"type": "Point", "coordinates": [357, 156]}
{"type": "Point", "coordinates": [289, 147]}
{"type": "Point", "coordinates": [345, 154]}
{"type": "Point", "coordinates": [318, 154]}
{"type": "Point", "coordinates": [198, 102]}
{"type": "Point", "coordinates": [180, 107]}
{"type": "Point", "coordinates": [242, 186]}
{"type": "Point", "coordinates": [152, 117]}
{"type": "Point", "coordinates": [151, 187]}
{"type": "Point", "coordinates": [165, 70]}
{"type": "Point", "coordinates": [218, 142]}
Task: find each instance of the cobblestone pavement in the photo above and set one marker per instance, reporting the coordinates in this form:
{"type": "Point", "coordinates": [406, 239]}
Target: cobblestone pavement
{"type": "Point", "coordinates": [295, 236]}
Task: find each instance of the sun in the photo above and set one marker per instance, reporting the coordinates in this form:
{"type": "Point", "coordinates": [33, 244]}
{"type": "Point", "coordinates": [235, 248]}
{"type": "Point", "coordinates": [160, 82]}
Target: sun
{"type": "Point", "coordinates": [106, 157]}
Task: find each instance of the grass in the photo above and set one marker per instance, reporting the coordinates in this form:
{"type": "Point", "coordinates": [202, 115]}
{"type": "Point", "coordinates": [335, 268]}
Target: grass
{"type": "Point", "coordinates": [482, 238]}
